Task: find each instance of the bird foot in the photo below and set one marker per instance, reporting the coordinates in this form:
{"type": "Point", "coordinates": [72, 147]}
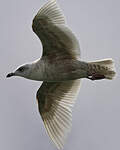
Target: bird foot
{"type": "Point", "coordinates": [96, 77]}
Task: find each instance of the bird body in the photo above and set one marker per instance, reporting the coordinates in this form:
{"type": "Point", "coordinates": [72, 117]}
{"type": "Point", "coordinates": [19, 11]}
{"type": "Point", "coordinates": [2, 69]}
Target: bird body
{"type": "Point", "coordinates": [49, 70]}
{"type": "Point", "coordinates": [45, 70]}
{"type": "Point", "coordinates": [60, 68]}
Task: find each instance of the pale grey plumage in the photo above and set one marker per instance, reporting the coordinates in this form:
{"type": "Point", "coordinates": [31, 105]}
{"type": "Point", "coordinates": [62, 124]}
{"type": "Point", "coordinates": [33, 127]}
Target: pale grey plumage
{"type": "Point", "coordinates": [55, 101]}
{"type": "Point", "coordinates": [61, 69]}
{"type": "Point", "coordinates": [59, 43]}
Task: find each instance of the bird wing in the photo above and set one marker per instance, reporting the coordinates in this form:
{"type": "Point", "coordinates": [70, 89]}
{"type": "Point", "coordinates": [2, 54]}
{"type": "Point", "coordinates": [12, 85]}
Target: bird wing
{"type": "Point", "coordinates": [54, 102]}
{"type": "Point", "coordinates": [57, 39]}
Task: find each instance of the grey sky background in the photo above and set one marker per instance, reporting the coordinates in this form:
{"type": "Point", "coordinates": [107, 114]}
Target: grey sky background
{"type": "Point", "coordinates": [96, 115]}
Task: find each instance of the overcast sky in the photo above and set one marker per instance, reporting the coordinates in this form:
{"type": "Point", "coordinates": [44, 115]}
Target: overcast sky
{"type": "Point", "coordinates": [96, 115]}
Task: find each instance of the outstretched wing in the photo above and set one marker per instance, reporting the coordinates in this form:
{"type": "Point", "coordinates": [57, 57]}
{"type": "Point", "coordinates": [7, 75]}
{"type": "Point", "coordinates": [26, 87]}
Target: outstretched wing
{"type": "Point", "coordinates": [57, 39]}
{"type": "Point", "coordinates": [55, 101]}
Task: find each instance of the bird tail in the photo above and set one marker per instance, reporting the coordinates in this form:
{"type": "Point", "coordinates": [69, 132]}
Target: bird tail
{"type": "Point", "coordinates": [101, 69]}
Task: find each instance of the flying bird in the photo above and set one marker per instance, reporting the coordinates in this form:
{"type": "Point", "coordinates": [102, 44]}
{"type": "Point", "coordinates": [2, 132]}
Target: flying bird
{"type": "Point", "coordinates": [60, 69]}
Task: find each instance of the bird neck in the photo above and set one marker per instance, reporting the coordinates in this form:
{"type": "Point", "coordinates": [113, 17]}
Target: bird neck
{"type": "Point", "coordinates": [37, 70]}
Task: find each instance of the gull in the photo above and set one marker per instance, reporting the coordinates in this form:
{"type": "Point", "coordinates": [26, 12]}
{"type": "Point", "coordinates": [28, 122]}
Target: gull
{"type": "Point", "coordinates": [61, 70]}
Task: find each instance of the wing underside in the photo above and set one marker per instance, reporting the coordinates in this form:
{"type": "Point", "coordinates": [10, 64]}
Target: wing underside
{"type": "Point", "coordinates": [55, 101]}
{"type": "Point", "coordinates": [57, 39]}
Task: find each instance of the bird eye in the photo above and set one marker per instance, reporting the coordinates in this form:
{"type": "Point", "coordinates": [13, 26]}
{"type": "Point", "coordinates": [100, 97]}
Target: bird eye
{"type": "Point", "coordinates": [21, 69]}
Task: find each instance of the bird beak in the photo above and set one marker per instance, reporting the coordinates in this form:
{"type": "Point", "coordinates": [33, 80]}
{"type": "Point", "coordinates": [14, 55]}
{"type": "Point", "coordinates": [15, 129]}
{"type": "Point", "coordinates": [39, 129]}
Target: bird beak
{"type": "Point", "coordinates": [10, 75]}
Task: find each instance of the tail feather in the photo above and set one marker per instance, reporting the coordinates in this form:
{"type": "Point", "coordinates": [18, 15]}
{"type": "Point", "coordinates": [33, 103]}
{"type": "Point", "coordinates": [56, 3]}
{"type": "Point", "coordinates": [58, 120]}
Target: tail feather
{"type": "Point", "coordinates": [104, 67]}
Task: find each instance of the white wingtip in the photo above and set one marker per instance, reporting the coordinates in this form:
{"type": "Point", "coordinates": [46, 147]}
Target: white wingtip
{"type": "Point", "coordinates": [52, 11]}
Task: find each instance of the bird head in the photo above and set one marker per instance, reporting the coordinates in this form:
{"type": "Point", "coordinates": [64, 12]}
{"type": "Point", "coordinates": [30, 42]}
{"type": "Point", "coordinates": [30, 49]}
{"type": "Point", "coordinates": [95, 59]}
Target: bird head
{"type": "Point", "coordinates": [22, 71]}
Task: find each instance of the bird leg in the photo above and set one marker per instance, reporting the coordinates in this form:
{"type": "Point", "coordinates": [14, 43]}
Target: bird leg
{"type": "Point", "coordinates": [96, 77]}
